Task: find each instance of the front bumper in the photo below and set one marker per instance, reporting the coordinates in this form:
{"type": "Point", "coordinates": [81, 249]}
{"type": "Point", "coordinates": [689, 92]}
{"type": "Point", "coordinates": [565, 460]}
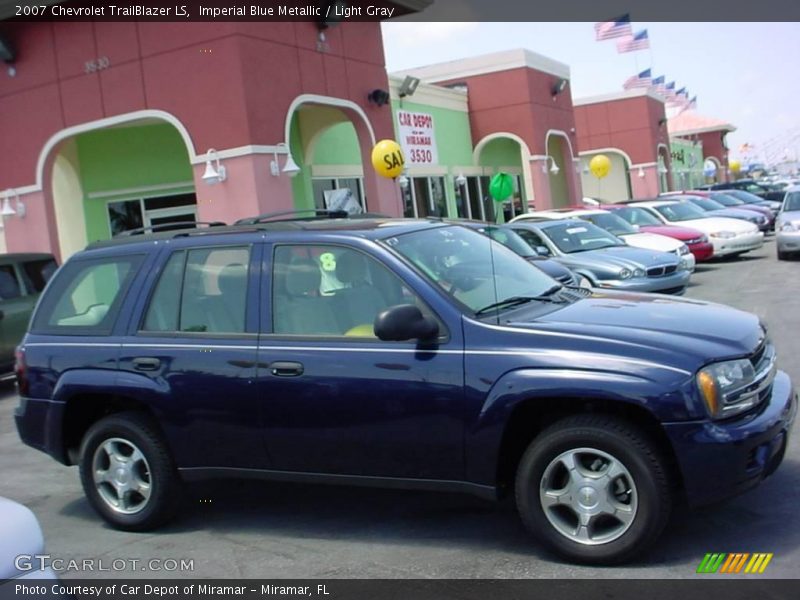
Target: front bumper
{"type": "Point", "coordinates": [702, 251]}
{"type": "Point", "coordinates": [788, 241]}
{"type": "Point", "coordinates": [675, 283]}
{"type": "Point", "coordinates": [740, 243]}
{"type": "Point", "coordinates": [722, 459]}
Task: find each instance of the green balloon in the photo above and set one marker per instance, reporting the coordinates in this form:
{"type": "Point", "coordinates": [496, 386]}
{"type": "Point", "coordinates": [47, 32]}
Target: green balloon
{"type": "Point", "coordinates": [501, 186]}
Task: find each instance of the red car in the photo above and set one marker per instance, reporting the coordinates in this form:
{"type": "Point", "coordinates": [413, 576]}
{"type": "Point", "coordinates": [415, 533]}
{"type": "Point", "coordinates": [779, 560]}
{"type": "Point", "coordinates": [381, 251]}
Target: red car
{"type": "Point", "coordinates": [696, 241]}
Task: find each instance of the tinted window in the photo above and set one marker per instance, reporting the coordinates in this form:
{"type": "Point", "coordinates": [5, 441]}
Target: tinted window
{"type": "Point", "coordinates": [573, 237]}
{"type": "Point", "coordinates": [202, 290]}
{"type": "Point", "coordinates": [610, 222]}
{"type": "Point", "coordinates": [37, 273]}
{"type": "Point", "coordinates": [792, 201]}
{"type": "Point", "coordinates": [332, 291]}
{"type": "Point", "coordinates": [86, 295]}
{"type": "Point", "coordinates": [9, 285]}
{"type": "Point", "coordinates": [680, 211]}
{"type": "Point", "coordinates": [638, 216]}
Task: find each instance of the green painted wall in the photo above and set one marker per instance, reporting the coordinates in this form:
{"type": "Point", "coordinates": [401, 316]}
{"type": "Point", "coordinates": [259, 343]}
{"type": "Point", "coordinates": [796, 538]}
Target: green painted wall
{"type": "Point", "coordinates": [500, 152]}
{"type": "Point", "coordinates": [338, 145]}
{"type": "Point", "coordinates": [687, 163]}
{"type": "Point", "coordinates": [124, 158]}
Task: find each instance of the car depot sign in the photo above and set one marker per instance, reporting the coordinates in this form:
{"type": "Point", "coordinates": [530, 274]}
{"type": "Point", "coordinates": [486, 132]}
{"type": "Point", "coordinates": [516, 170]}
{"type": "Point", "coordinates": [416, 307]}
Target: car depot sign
{"type": "Point", "coordinates": [417, 137]}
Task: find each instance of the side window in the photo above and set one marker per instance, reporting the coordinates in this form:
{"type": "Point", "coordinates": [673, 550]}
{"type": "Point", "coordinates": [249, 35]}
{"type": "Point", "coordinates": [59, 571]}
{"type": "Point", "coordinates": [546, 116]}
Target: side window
{"type": "Point", "coordinates": [9, 284]}
{"type": "Point", "coordinates": [37, 273]}
{"type": "Point", "coordinates": [86, 296]}
{"type": "Point", "coordinates": [332, 291]}
{"type": "Point", "coordinates": [201, 290]}
{"type": "Point", "coordinates": [530, 237]}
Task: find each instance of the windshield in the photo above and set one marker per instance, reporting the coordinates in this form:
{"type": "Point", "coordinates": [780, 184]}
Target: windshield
{"type": "Point", "coordinates": [744, 196]}
{"type": "Point", "coordinates": [509, 239]}
{"type": "Point", "coordinates": [610, 222]}
{"type": "Point", "coordinates": [792, 201]}
{"type": "Point", "coordinates": [638, 216]}
{"type": "Point", "coordinates": [726, 200]}
{"type": "Point", "coordinates": [472, 268]}
{"type": "Point", "coordinates": [571, 237]}
{"type": "Point", "coordinates": [680, 211]}
{"type": "Point", "coordinates": [705, 203]}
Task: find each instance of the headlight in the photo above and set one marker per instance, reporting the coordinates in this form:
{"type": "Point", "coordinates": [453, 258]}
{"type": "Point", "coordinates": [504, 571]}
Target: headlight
{"type": "Point", "coordinates": [625, 274]}
{"type": "Point", "coordinates": [718, 384]}
{"type": "Point", "coordinates": [788, 226]}
{"type": "Point", "coordinates": [684, 266]}
{"type": "Point", "coordinates": [639, 273]}
{"type": "Point", "coordinates": [683, 250]}
{"type": "Point", "coordinates": [725, 235]}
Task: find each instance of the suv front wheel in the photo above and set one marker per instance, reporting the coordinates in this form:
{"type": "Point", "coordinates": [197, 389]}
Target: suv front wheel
{"type": "Point", "coordinates": [127, 472]}
{"type": "Point", "coordinates": [594, 488]}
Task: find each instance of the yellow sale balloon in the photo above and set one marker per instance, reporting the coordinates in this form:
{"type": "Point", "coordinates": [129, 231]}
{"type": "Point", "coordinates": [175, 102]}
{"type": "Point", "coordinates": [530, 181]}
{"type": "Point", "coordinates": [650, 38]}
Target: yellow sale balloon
{"type": "Point", "coordinates": [600, 165]}
{"type": "Point", "coordinates": [388, 159]}
{"type": "Point", "coordinates": [735, 166]}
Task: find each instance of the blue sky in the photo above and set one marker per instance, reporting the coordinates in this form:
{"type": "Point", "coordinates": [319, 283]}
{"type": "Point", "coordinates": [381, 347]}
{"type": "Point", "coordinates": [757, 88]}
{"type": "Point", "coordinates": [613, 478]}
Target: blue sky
{"type": "Point", "coordinates": [743, 73]}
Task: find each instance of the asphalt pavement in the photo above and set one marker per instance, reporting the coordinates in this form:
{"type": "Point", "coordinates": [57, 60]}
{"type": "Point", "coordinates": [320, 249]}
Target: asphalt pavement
{"type": "Point", "coordinates": [278, 530]}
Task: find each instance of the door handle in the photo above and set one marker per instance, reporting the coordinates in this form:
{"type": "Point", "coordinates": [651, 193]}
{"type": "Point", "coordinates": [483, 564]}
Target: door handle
{"type": "Point", "coordinates": [286, 369]}
{"type": "Point", "coordinates": [146, 363]}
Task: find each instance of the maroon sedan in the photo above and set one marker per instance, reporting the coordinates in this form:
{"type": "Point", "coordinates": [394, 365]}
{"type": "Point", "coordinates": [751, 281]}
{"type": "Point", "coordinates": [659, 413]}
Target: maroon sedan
{"type": "Point", "coordinates": [697, 241]}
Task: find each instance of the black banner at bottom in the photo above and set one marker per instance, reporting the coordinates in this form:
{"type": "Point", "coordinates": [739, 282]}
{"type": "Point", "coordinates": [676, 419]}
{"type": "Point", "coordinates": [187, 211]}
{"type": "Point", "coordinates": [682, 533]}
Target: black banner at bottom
{"type": "Point", "coordinates": [402, 589]}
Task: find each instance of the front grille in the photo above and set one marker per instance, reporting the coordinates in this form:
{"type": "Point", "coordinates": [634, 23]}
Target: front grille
{"type": "Point", "coordinates": [661, 271]}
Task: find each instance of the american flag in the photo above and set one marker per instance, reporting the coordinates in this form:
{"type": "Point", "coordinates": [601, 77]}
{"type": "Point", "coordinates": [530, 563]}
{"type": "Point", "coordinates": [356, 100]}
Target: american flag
{"type": "Point", "coordinates": [680, 98]}
{"type": "Point", "coordinates": [606, 30]}
{"type": "Point", "coordinates": [642, 80]}
{"type": "Point", "coordinates": [640, 41]}
{"type": "Point", "coordinates": [669, 90]}
{"type": "Point", "coordinates": [688, 105]}
{"type": "Point", "coordinates": [658, 84]}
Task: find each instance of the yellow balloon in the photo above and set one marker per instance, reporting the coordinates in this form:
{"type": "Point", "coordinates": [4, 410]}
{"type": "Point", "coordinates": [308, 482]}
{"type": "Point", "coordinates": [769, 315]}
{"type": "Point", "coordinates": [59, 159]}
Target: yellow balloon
{"type": "Point", "coordinates": [600, 165]}
{"type": "Point", "coordinates": [735, 166]}
{"type": "Point", "coordinates": [388, 159]}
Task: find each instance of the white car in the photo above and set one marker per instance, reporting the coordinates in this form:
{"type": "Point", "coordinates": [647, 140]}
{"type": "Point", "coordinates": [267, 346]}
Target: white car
{"type": "Point", "coordinates": [729, 236]}
{"type": "Point", "coordinates": [619, 227]}
{"type": "Point", "coordinates": [21, 540]}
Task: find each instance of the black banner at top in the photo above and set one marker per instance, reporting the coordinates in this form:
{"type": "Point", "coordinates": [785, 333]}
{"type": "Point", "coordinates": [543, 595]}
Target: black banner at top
{"type": "Point", "coordinates": [331, 12]}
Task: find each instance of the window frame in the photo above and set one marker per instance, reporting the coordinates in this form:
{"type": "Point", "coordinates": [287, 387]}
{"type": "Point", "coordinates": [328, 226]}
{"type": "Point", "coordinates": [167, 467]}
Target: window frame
{"type": "Point", "coordinates": [268, 279]}
{"type": "Point", "coordinates": [253, 271]}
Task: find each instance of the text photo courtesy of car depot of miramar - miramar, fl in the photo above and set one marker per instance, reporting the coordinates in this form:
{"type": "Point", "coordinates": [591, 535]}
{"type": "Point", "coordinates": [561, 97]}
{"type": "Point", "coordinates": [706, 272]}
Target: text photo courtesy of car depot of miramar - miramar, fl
{"type": "Point", "coordinates": [479, 268]}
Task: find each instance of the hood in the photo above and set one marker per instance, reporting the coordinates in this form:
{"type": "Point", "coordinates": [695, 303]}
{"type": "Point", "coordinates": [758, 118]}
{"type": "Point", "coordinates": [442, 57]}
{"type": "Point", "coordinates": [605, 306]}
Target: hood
{"type": "Point", "coordinates": [679, 327]}
{"type": "Point", "coordinates": [20, 533]}
{"type": "Point", "coordinates": [683, 234]}
{"type": "Point", "coordinates": [652, 241]}
{"type": "Point", "coordinates": [792, 216]}
{"type": "Point", "coordinates": [551, 267]}
{"type": "Point", "coordinates": [618, 257]}
{"type": "Point", "coordinates": [713, 224]}
{"type": "Point", "coordinates": [756, 208]}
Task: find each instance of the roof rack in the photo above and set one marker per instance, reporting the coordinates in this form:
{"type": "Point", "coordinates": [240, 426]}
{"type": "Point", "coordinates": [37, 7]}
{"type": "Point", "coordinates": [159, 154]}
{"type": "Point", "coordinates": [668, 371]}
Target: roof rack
{"type": "Point", "coordinates": [312, 213]}
{"type": "Point", "coordinates": [168, 226]}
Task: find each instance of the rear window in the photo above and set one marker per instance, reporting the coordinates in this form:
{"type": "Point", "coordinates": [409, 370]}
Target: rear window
{"type": "Point", "coordinates": [86, 296]}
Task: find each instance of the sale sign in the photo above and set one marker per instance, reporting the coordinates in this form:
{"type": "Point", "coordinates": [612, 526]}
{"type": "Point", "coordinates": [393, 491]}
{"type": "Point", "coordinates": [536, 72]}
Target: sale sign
{"type": "Point", "coordinates": [415, 133]}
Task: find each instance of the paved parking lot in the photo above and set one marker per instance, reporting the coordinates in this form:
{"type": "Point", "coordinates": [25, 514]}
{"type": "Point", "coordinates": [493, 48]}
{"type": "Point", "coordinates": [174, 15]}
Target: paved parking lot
{"type": "Point", "coordinates": [278, 530]}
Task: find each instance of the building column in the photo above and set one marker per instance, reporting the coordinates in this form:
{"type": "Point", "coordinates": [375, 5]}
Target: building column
{"type": "Point", "coordinates": [248, 190]}
{"type": "Point", "coordinates": [540, 182]}
{"type": "Point", "coordinates": [647, 186]}
{"type": "Point", "coordinates": [36, 231]}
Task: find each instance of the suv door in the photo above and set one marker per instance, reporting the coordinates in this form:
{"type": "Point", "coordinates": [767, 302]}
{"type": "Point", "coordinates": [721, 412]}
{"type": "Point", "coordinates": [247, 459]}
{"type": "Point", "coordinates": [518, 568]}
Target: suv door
{"type": "Point", "coordinates": [192, 342]}
{"type": "Point", "coordinates": [337, 400]}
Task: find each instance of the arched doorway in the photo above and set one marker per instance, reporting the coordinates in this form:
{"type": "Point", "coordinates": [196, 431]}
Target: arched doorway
{"type": "Point", "coordinates": [560, 178]}
{"type": "Point", "coordinates": [500, 152]}
{"type": "Point", "coordinates": [100, 178]}
{"type": "Point", "coordinates": [614, 187]}
{"type": "Point", "coordinates": [664, 162]}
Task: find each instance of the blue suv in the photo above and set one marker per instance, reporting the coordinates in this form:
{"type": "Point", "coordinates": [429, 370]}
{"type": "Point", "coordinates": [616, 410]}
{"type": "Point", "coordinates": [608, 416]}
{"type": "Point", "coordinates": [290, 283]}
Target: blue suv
{"type": "Point", "coordinates": [399, 353]}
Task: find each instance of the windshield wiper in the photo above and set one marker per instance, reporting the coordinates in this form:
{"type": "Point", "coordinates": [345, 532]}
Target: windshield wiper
{"type": "Point", "coordinates": [519, 300]}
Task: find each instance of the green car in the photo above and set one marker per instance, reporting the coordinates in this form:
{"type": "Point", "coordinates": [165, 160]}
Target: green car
{"type": "Point", "coordinates": [22, 279]}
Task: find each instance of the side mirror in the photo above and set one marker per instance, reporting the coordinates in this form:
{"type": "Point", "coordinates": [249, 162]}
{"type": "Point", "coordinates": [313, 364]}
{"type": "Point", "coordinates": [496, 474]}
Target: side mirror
{"type": "Point", "coordinates": [542, 250]}
{"type": "Point", "coordinates": [404, 322]}
{"type": "Point", "coordinates": [636, 227]}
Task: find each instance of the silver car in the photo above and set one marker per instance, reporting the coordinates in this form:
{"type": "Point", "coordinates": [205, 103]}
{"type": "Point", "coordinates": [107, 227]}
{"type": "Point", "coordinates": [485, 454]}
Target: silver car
{"type": "Point", "coordinates": [787, 225]}
{"type": "Point", "coordinates": [603, 259]}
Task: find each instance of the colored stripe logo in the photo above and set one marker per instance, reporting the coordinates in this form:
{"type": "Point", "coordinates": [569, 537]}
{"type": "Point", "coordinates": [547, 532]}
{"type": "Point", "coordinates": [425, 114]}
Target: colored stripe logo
{"type": "Point", "coordinates": [734, 562]}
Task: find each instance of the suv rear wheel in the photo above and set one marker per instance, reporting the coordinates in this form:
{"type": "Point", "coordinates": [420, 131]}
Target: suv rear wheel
{"type": "Point", "coordinates": [594, 488]}
{"type": "Point", "coordinates": [127, 472]}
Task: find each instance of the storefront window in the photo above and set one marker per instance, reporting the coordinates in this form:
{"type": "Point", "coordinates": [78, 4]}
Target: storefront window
{"type": "Point", "coordinates": [127, 215]}
{"type": "Point", "coordinates": [322, 185]}
{"type": "Point", "coordinates": [425, 197]}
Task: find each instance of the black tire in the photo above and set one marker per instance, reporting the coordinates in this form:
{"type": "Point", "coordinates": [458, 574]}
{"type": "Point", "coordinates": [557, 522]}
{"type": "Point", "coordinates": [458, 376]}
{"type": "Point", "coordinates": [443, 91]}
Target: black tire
{"type": "Point", "coordinates": [164, 482]}
{"type": "Point", "coordinates": [783, 255]}
{"type": "Point", "coordinates": [629, 446]}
